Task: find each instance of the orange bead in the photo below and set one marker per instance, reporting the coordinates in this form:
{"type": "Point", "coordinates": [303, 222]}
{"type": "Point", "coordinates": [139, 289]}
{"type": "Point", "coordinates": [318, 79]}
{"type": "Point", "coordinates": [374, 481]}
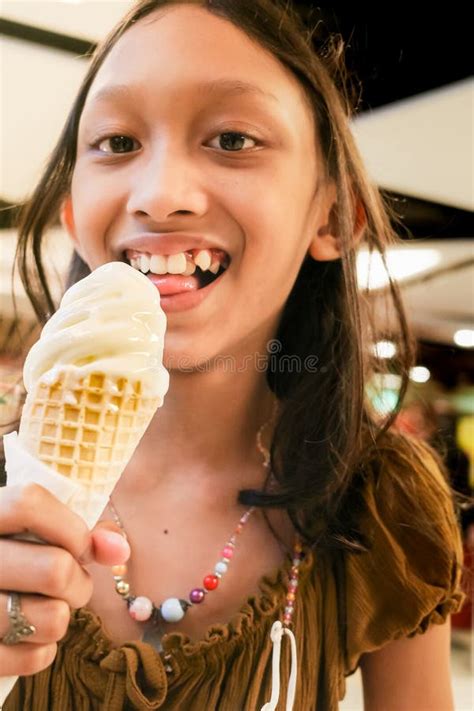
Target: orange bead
{"type": "Point", "coordinates": [291, 597]}
{"type": "Point", "coordinates": [119, 570]}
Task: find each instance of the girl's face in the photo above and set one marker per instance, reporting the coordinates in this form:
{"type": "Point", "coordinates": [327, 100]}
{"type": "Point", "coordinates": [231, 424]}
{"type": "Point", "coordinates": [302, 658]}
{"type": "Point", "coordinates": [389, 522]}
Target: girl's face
{"type": "Point", "coordinates": [213, 139]}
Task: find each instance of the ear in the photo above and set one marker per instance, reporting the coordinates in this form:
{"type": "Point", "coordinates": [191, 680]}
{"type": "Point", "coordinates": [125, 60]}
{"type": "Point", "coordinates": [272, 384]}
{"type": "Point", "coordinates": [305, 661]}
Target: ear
{"type": "Point", "coordinates": [66, 216]}
{"type": "Point", "coordinates": [326, 245]}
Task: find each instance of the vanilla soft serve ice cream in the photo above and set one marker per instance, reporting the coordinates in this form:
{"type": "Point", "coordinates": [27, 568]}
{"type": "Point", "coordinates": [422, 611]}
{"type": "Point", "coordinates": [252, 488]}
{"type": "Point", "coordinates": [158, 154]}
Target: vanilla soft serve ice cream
{"type": "Point", "coordinates": [110, 321]}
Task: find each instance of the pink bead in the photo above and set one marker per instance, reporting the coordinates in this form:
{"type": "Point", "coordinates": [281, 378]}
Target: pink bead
{"type": "Point", "coordinates": [227, 552]}
{"type": "Point", "coordinates": [141, 609]}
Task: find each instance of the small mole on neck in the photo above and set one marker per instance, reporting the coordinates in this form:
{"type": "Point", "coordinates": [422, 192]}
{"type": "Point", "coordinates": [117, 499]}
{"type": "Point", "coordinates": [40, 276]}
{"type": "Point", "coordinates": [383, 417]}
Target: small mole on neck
{"type": "Point", "coordinates": [165, 530]}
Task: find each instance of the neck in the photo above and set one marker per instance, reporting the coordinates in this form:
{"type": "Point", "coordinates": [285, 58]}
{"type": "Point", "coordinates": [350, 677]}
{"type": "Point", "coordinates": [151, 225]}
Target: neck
{"type": "Point", "coordinates": [205, 435]}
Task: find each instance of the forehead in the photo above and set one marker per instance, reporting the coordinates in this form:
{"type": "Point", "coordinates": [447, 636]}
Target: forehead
{"type": "Point", "coordinates": [183, 49]}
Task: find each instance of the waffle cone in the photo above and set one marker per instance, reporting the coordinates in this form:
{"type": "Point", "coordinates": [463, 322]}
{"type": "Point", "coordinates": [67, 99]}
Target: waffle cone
{"type": "Point", "coordinates": [86, 429]}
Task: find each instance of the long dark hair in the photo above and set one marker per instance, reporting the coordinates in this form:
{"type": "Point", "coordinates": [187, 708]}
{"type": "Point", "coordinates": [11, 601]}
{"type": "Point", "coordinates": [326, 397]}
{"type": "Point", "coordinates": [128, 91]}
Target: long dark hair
{"type": "Point", "coordinates": [326, 435]}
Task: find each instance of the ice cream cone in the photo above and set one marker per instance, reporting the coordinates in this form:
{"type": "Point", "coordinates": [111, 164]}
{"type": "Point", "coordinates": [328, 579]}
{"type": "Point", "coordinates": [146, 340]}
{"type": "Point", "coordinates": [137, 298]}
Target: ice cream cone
{"type": "Point", "coordinates": [86, 429]}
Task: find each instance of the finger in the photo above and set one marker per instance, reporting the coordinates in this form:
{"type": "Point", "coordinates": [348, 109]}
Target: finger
{"type": "Point", "coordinates": [26, 659]}
{"type": "Point", "coordinates": [32, 508]}
{"type": "Point", "coordinates": [38, 568]}
{"type": "Point", "coordinates": [109, 545]}
{"type": "Point", "coordinates": [49, 617]}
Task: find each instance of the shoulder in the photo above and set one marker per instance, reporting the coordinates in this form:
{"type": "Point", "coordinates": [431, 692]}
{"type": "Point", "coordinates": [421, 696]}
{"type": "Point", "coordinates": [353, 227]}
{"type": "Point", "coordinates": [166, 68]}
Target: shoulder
{"type": "Point", "coordinates": [406, 487]}
{"type": "Point", "coordinates": [411, 576]}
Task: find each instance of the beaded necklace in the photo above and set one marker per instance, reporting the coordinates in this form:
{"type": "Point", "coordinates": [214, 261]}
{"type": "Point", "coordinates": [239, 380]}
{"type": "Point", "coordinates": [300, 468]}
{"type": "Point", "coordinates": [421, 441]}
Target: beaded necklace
{"type": "Point", "coordinates": [173, 609]}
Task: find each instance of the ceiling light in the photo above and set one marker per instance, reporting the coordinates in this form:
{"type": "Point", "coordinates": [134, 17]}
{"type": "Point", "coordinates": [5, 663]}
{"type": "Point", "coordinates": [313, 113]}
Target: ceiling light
{"type": "Point", "coordinates": [419, 374]}
{"type": "Point", "coordinates": [383, 390]}
{"type": "Point", "coordinates": [384, 349]}
{"type": "Point", "coordinates": [464, 338]}
{"type": "Point", "coordinates": [401, 263]}
{"type": "Point", "coordinates": [387, 381]}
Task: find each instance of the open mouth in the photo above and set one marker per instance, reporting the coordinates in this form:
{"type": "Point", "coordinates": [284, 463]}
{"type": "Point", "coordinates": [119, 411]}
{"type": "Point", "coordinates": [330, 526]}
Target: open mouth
{"type": "Point", "coordinates": [185, 271]}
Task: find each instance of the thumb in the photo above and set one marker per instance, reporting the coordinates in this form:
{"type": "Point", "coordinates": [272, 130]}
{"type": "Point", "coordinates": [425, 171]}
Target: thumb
{"type": "Point", "coordinates": [108, 545]}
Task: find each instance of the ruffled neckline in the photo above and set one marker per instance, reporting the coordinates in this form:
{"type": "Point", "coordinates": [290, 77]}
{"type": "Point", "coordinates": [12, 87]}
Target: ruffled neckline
{"type": "Point", "coordinates": [91, 640]}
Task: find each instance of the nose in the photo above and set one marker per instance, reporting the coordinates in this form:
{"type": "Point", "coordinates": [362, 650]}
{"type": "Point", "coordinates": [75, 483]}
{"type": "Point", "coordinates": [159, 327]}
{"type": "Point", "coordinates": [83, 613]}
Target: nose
{"type": "Point", "coordinates": [165, 183]}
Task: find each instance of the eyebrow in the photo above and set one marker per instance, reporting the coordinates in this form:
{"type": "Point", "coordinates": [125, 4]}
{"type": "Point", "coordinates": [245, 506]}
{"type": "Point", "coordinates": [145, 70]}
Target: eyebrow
{"type": "Point", "coordinates": [230, 87]}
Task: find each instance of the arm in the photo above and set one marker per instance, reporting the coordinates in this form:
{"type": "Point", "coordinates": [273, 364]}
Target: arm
{"type": "Point", "coordinates": [410, 673]}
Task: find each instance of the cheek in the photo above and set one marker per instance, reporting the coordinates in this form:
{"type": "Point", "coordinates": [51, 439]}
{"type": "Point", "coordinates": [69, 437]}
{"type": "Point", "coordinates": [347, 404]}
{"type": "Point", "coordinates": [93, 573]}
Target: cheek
{"type": "Point", "coordinates": [94, 210]}
{"type": "Point", "coordinates": [273, 248]}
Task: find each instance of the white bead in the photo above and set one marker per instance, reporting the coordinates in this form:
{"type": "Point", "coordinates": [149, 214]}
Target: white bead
{"type": "Point", "coordinates": [171, 610]}
{"type": "Point", "coordinates": [141, 609]}
{"type": "Point", "coordinates": [221, 567]}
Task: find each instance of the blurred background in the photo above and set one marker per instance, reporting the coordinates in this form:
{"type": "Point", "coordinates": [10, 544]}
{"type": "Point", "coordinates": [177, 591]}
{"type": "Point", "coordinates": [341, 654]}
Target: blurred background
{"type": "Point", "coordinates": [414, 127]}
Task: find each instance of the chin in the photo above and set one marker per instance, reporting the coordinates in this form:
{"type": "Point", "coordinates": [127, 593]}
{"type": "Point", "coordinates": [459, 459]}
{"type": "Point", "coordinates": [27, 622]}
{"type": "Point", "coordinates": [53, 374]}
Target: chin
{"type": "Point", "coordinates": [188, 360]}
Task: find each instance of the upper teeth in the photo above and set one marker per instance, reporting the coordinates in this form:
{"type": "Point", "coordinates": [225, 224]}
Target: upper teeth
{"type": "Point", "coordinates": [203, 260]}
{"type": "Point", "coordinates": [176, 263]}
{"type": "Point", "coordinates": [157, 263]}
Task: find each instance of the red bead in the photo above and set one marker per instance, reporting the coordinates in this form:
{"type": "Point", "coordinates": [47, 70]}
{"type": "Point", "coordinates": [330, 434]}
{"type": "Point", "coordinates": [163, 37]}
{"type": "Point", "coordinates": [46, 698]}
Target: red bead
{"type": "Point", "coordinates": [211, 582]}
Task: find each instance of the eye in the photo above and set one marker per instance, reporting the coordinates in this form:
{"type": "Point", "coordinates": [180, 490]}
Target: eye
{"type": "Point", "coordinates": [231, 141]}
{"type": "Point", "coordinates": [116, 144]}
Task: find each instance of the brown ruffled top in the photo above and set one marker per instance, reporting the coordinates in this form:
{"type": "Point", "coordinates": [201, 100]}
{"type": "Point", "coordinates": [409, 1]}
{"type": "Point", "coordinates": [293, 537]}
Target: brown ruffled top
{"type": "Point", "coordinates": [347, 605]}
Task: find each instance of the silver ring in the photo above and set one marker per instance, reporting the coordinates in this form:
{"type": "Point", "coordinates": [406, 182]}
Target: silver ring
{"type": "Point", "coordinates": [19, 625]}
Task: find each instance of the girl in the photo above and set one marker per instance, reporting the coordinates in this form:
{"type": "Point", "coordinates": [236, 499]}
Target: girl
{"type": "Point", "coordinates": [215, 129]}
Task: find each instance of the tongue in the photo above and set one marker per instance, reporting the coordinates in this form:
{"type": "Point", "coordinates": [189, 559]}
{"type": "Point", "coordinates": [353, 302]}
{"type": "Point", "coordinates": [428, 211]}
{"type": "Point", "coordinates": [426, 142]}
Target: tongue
{"type": "Point", "coordinates": [174, 283]}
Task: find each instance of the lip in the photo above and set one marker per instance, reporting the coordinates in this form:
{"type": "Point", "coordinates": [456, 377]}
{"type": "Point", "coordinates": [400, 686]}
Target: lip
{"type": "Point", "coordinates": [167, 243]}
{"type": "Point", "coordinates": [185, 300]}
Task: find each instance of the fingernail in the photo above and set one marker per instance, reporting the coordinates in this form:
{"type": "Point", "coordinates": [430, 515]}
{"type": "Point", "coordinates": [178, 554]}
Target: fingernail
{"type": "Point", "coordinates": [117, 540]}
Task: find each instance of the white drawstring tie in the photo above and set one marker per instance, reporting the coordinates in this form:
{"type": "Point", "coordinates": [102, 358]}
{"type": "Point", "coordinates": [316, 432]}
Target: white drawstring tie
{"type": "Point", "coordinates": [276, 635]}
